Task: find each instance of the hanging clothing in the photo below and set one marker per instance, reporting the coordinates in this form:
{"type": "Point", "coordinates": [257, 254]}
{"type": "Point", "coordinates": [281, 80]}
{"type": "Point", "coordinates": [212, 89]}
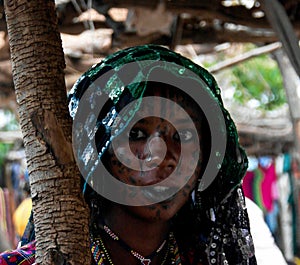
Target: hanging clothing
{"type": "Point", "coordinates": [21, 216]}
{"type": "Point", "coordinates": [268, 186]}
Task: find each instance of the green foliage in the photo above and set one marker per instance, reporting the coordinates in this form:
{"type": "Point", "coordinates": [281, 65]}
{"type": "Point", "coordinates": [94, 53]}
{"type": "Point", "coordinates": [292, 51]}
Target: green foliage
{"type": "Point", "coordinates": [259, 79]}
{"type": "Point", "coordinates": [4, 148]}
{"type": "Point", "coordinates": [8, 122]}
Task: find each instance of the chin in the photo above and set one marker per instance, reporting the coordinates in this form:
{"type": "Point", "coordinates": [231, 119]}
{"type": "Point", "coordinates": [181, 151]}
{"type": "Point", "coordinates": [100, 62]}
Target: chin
{"type": "Point", "coordinates": [163, 212]}
{"type": "Point", "coordinates": [167, 210]}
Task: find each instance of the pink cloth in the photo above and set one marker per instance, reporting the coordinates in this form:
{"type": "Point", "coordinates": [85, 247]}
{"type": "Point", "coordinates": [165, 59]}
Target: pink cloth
{"type": "Point", "coordinates": [268, 186]}
{"type": "Point", "coordinates": [248, 184]}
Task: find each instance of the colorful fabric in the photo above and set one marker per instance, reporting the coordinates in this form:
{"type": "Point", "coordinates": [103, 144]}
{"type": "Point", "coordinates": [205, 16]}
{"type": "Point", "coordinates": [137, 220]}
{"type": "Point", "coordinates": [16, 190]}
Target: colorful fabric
{"type": "Point", "coordinates": [260, 186]}
{"type": "Point", "coordinates": [29, 233]}
{"type": "Point", "coordinates": [21, 256]}
{"type": "Point", "coordinates": [3, 220]}
{"type": "Point", "coordinates": [6, 206]}
{"type": "Point", "coordinates": [268, 186]}
{"type": "Point", "coordinates": [248, 184]}
{"type": "Point", "coordinates": [21, 216]}
{"type": "Point", "coordinates": [257, 191]}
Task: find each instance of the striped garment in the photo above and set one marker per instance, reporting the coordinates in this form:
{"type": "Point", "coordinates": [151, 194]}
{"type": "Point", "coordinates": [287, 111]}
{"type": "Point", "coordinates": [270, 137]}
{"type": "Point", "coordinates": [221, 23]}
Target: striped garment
{"type": "Point", "coordinates": [21, 256]}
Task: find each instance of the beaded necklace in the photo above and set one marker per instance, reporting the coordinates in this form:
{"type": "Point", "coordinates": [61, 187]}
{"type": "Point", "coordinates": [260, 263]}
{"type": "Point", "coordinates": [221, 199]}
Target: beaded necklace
{"type": "Point", "coordinates": [144, 260]}
{"type": "Point", "coordinates": [101, 255]}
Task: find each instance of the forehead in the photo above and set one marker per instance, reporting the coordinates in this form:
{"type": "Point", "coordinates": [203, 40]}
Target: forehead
{"type": "Point", "coordinates": [163, 99]}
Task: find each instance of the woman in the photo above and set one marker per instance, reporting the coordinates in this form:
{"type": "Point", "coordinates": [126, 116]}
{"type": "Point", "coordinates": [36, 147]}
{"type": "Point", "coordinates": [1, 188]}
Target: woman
{"type": "Point", "coordinates": [161, 162]}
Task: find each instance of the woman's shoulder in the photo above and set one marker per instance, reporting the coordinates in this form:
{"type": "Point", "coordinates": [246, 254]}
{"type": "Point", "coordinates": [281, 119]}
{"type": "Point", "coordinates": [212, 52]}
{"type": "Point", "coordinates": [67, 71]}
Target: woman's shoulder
{"type": "Point", "coordinates": [24, 255]}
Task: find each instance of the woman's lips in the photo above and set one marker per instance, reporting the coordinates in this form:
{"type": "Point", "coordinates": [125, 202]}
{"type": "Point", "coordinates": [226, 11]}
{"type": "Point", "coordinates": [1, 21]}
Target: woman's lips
{"type": "Point", "coordinates": [159, 193]}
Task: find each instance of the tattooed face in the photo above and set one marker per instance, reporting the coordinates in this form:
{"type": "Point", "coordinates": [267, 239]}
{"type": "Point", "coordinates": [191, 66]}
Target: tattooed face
{"type": "Point", "coordinates": [159, 137]}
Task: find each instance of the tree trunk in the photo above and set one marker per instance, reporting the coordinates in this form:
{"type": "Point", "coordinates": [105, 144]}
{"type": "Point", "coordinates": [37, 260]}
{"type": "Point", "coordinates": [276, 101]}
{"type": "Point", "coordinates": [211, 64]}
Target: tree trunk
{"type": "Point", "coordinates": [60, 214]}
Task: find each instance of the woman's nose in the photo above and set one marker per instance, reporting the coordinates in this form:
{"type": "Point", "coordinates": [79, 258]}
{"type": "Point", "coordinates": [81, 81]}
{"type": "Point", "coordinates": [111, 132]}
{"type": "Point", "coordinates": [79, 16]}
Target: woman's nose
{"type": "Point", "coordinates": [160, 153]}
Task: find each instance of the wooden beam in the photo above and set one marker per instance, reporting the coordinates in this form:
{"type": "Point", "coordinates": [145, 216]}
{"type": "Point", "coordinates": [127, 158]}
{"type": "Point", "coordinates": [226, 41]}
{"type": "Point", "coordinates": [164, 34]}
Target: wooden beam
{"type": "Point", "coordinates": [291, 83]}
{"type": "Point", "coordinates": [245, 56]}
{"type": "Point", "coordinates": [280, 22]}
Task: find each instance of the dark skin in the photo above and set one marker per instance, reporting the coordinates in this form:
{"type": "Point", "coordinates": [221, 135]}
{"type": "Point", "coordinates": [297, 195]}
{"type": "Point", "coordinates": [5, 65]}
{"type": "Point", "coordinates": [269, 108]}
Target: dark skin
{"type": "Point", "coordinates": [166, 142]}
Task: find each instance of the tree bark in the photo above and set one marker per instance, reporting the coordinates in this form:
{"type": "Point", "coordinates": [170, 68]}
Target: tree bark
{"type": "Point", "coordinates": [60, 214]}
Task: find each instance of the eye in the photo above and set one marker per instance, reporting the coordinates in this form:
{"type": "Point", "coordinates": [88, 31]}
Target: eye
{"type": "Point", "coordinates": [185, 135]}
{"type": "Point", "coordinates": [136, 134]}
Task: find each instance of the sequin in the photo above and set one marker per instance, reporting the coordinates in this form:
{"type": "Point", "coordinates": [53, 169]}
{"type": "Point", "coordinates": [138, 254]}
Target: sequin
{"type": "Point", "coordinates": [181, 71]}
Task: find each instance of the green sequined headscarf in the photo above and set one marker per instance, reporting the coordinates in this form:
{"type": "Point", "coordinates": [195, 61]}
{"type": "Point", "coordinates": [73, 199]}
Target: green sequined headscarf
{"type": "Point", "coordinates": [234, 164]}
{"type": "Point", "coordinates": [220, 207]}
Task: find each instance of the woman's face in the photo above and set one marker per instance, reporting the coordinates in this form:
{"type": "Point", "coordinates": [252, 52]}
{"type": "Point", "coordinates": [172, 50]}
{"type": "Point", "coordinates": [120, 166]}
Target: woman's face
{"type": "Point", "coordinates": [160, 142]}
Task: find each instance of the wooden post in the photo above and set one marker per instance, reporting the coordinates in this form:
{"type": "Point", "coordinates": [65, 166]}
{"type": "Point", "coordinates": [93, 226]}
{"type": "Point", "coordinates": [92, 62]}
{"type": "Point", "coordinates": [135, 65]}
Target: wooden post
{"type": "Point", "coordinates": [291, 83]}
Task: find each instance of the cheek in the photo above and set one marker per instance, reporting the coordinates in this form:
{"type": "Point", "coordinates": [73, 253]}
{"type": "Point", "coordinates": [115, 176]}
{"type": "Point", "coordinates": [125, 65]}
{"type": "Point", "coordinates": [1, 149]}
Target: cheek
{"type": "Point", "coordinates": [114, 163]}
{"type": "Point", "coordinates": [121, 153]}
{"type": "Point", "coordinates": [190, 159]}
{"type": "Point", "coordinates": [121, 166]}
{"type": "Point", "coordinates": [192, 180]}
{"type": "Point", "coordinates": [116, 167]}
{"type": "Point", "coordinates": [128, 153]}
